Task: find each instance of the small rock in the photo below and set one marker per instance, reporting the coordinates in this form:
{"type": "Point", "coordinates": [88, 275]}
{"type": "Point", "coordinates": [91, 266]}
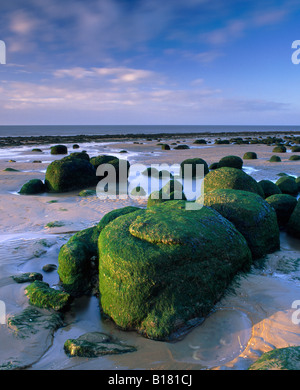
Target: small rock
{"type": "Point", "coordinates": [95, 344]}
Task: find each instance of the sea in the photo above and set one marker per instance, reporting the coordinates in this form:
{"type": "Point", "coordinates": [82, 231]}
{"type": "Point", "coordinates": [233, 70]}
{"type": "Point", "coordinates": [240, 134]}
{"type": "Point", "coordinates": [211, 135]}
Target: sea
{"type": "Point", "coordinates": [73, 130]}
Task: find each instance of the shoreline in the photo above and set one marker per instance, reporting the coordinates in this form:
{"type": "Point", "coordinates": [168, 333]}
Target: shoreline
{"type": "Point", "coordinates": [8, 141]}
{"type": "Point", "coordinates": [256, 319]}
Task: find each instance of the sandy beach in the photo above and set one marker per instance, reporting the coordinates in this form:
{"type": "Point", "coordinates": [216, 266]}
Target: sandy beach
{"type": "Point", "coordinates": [253, 319]}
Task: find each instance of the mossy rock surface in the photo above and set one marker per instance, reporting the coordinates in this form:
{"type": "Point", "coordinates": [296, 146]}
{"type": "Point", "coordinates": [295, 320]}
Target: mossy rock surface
{"type": "Point", "coordinates": [102, 159]}
{"type": "Point", "coordinates": [231, 161]}
{"type": "Point", "coordinates": [95, 344]}
{"type": "Point", "coordinates": [59, 149]}
{"type": "Point", "coordinates": [165, 147]}
{"type": "Point", "coordinates": [193, 162]}
{"type": "Point", "coordinates": [250, 156]}
{"type": "Point", "coordinates": [294, 157]}
{"type": "Point", "coordinates": [162, 268]}
{"type": "Point", "coordinates": [10, 170]}
{"type": "Point", "coordinates": [287, 185]}
{"type": "Point", "coordinates": [275, 159]}
{"type": "Point", "coordinates": [31, 320]}
{"type": "Point", "coordinates": [37, 150]}
{"type": "Point", "coordinates": [279, 149]}
{"type": "Point", "coordinates": [213, 166]}
{"type": "Point", "coordinates": [75, 258]}
{"type": "Point", "coordinates": [279, 359]}
{"type": "Point", "coordinates": [173, 190]}
{"type": "Point", "coordinates": [231, 178]}
{"type": "Point", "coordinates": [32, 187]}
{"type": "Point", "coordinates": [113, 161]}
{"type": "Point", "coordinates": [295, 149]}
{"type": "Point", "coordinates": [251, 215]}
{"type": "Point", "coordinates": [43, 296]}
{"type": "Point", "coordinates": [293, 225]}
{"type": "Point", "coordinates": [27, 277]}
{"type": "Point", "coordinates": [80, 155]}
{"type": "Point", "coordinates": [200, 142]}
{"type": "Point", "coordinates": [70, 174]}
{"type": "Point", "coordinates": [269, 188]}
{"type": "Point", "coordinates": [78, 258]}
{"type": "Point", "coordinates": [284, 206]}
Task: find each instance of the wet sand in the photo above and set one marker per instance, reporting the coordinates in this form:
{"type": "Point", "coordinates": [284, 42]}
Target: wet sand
{"type": "Point", "coordinates": [254, 319]}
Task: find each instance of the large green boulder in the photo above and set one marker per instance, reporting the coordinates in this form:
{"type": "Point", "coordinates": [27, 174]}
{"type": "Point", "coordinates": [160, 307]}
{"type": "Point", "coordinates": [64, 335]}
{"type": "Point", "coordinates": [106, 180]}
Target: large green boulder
{"type": "Point", "coordinates": [70, 174]}
{"type": "Point", "coordinates": [287, 185]}
{"type": "Point", "coordinates": [269, 188]}
{"type": "Point", "coordinates": [32, 187]}
{"type": "Point", "coordinates": [59, 149]}
{"type": "Point", "coordinates": [162, 268]}
{"type": "Point", "coordinates": [78, 258]}
{"type": "Point", "coordinates": [231, 161]}
{"type": "Point", "coordinates": [251, 215]}
{"type": "Point", "coordinates": [275, 159]}
{"type": "Point", "coordinates": [231, 178]}
{"type": "Point", "coordinates": [293, 226]}
{"type": "Point", "coordinates": [284, 205]}
{"type": "Point", "coordinates": [193, 162]}
{"type": "Point", "coordinates": [279, 359]}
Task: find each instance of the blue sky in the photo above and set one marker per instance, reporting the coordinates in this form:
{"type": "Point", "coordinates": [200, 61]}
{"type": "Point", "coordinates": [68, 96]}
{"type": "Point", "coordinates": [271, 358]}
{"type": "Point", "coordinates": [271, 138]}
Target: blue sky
{"type": "Point", "coordinates": [175, 62]}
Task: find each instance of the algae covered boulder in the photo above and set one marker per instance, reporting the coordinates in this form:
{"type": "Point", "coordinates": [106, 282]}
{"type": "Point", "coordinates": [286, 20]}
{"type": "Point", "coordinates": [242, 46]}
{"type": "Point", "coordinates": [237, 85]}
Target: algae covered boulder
{"type": "Point", "coordinates": [251, 215]}
{"type": "Point", "coordinates": [231, 178]}
{"type": "Point", "coordinates": [279, 359]}
{"type": "Point", "coordinates": [284, 205]}
{"type": "Point", "coordinates": [59, 149]}
{"type": "Point", "coordinates": [43, 296]}
{"type": "Point", "coordinates": [173, 190]}
{"type": "Point", "coordinates": [162, 268]}
{"type": "Point", "coordinates": [269, 188]}
{"type": "Point", "coordinates": [250, 156]}
{"type": "Point", "coordinates": [94, 344]}
{"type": "Point", "coordinates": [78, 258]}
{"type": "Point", "coordinates": [231, 161]}
{"type": "Point", "coordinates": [287, 185]}
{"type": "Point", "coordinates": [275, 159]}
{"type": "Point", "coordinates": [75, 261]}
{"type": "Point", "coordinates": [32, 187]}
{"type": "Point", "coordinates": [70, 174]}
{"type": "Point", "coordinates": [293, 226]}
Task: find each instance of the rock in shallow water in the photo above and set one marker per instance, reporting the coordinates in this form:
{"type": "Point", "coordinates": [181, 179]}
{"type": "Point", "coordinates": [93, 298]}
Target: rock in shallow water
{"type": "Point", "coordinates": [95, 344]}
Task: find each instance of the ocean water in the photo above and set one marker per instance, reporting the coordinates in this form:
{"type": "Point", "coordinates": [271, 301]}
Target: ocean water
{"type": "Point", "coordinates": [27, 131]}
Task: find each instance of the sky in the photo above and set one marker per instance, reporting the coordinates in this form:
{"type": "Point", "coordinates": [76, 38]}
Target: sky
{"type": "Point", "coordinates": [149, 62]}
